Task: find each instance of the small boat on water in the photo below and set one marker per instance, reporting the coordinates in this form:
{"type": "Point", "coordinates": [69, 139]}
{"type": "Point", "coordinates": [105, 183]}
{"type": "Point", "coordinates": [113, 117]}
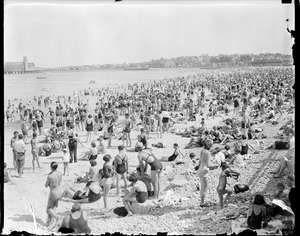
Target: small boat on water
{"type": "Point", "coordinates": [41, 77]}
{"type": "Point", "coordinates": [92, 82]}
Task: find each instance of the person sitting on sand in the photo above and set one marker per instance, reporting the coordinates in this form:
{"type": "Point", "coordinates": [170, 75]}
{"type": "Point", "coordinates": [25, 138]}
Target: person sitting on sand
{"type": "Point", "coordinates": [287, 132]}
{"type": "Point", "coordinates": [233, 135]}
{"type": "Point", "coordinates": [176, 153]}
{"type": "Point", "coordinates": [257, 213]}
{"type": "Point", "coordinates": [147, 181]}
{"type": "Point", "coordinates": [90, 193]}
{"type": "Point", "coordinates": [227, 153]}
{"type": "Point", "coordinates": [90, 154]}
{"type": "Point", "coordinates": [101, 148]}
{"type": "Point", "coordinates": [196, 141]}
{"type": "Point", "coordinates": [284, 164]}
{"type": "Point", "coordinates": [76, 222]}
{"type": "Point", "coordinates": [142, 137]}
{"type": "Point", "coordinates": [90, 175]}
{"type": "Point", "coordinates": [221, 188]}
{"type": "Point", "coordinates": [280, 195]}
{"type": "Point", "coordinates": [138, 193]}
{"type": "Point", "coordinates": [237, 159]}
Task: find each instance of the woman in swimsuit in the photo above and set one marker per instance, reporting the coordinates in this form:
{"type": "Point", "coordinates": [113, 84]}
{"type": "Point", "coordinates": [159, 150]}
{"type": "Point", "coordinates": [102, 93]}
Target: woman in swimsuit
{"type": "Point", "coordinates": [90, 193]}
{"type": "Point", "coordinates": [138, 193]}
{"type": "Point", "coordinates": [155, 164]}
{"type": "Point", "coordinates": [204, 166]}
{"type": "Point", "coordinates": [108, 175]}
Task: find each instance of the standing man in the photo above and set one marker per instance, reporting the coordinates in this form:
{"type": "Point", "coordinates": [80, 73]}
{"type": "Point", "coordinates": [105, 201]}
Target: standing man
{"type": "Point", "coordinates": [34, 150]}
{"type": "Point", "coordinates": [53, 182]}
{"type": "Point", "coordinates": [245, 122]}
{"type": "Point", "coordinates": [19, 147]}
{"type": "Point", "coordinates": [12, 141]}
{"type": "Point", "coordinates": [73, 147]}
{"type": "Point", "coordinates": [236, 107]}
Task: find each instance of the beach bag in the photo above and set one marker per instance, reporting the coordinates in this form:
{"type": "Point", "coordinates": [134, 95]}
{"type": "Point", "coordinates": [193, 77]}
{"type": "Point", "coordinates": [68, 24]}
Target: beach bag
{"type": "Point", "coordinates": [279, 145]}
{"type": "Point", "coordinates": [240, 188]}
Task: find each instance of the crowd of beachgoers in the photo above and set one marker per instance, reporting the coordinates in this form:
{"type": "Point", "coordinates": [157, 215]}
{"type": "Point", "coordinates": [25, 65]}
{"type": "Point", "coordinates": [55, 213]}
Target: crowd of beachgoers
{"type": "Point", "coordinates": [223, 114]}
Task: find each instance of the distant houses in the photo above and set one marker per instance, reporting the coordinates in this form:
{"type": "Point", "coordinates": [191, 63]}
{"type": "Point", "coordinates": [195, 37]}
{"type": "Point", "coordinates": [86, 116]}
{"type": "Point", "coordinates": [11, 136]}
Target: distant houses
{"type": "Point", "coordinates": [203, 61]}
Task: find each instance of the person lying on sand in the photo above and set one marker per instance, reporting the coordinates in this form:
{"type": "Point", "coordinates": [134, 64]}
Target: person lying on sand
{"type": "Point", "coordinates": [147, 181]}
{"type": "Point", "coordinates": [75, 222]}
{"type": "Point", "coordinates": [89, 194]}
{"type": "Point", "coordinates": [196, 141]}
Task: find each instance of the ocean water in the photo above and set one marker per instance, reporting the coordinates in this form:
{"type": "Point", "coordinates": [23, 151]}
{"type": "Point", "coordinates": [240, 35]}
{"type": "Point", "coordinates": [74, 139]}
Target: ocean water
{"type": "Point", "coordinates": [26, 86]}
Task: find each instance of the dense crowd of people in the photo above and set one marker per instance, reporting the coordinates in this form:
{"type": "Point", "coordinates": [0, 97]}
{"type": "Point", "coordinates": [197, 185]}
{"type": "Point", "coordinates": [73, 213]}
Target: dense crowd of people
{"type": "Point", "coordinates": [247, 98]}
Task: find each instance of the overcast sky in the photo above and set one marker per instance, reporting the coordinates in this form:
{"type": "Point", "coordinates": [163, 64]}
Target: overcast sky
{"type": "Point", "coordinates": [60, 35]}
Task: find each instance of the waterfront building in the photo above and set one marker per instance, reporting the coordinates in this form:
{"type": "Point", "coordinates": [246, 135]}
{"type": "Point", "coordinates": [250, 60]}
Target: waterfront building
{"type": "Point", "coordinates": [19, 67]}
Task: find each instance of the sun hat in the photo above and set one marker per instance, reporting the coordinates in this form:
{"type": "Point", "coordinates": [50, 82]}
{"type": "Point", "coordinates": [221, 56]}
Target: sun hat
{"type": "Point", "coordinates": [64, 150]}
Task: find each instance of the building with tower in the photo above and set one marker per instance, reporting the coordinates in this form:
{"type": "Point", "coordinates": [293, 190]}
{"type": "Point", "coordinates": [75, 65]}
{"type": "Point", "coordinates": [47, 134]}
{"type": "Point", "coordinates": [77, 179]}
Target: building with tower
{"type": "Point", "coordinates": [19, 67]}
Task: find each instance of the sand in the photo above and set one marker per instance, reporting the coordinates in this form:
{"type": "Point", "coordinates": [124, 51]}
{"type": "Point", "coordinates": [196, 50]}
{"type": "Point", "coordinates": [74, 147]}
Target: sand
{"type": "Point", "coordinates": [183, 218]}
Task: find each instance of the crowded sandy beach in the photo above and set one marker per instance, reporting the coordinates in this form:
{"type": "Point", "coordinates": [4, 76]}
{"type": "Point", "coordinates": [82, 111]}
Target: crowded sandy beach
{"type": "Point", "coordinates": [206, 153]}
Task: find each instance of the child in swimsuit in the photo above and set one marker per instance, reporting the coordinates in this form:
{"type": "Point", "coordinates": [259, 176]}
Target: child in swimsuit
{"type": "Point", "coordinates": [66, 159]}
{"type": "Point", "coordinates": [221, 189]}
{"type": "Point", "coordinates": [173, 156]}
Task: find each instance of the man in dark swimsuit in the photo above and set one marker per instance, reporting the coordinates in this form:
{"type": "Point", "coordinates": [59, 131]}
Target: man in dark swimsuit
{"type": "Point", "coordinates": [76, 222]}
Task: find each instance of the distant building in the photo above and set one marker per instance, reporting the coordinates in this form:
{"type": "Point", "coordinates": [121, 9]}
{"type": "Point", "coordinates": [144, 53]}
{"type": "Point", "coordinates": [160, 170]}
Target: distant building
{"type": "Point", "coordinates": [19, 67]}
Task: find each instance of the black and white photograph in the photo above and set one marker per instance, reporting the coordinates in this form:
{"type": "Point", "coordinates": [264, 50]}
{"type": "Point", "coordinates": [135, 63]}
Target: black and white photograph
{"type": "Point", "coordinates": [147, 117]}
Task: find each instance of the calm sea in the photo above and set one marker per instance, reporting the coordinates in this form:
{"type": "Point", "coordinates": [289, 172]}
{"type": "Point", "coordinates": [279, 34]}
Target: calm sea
{"type": "Point", "coordinates": [26, 86]}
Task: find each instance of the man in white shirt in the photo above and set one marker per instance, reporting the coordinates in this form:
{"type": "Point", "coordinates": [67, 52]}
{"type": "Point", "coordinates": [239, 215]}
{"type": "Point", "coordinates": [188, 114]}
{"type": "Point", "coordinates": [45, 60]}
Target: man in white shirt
{"type": "Point", "coordinates": [19, 147]}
